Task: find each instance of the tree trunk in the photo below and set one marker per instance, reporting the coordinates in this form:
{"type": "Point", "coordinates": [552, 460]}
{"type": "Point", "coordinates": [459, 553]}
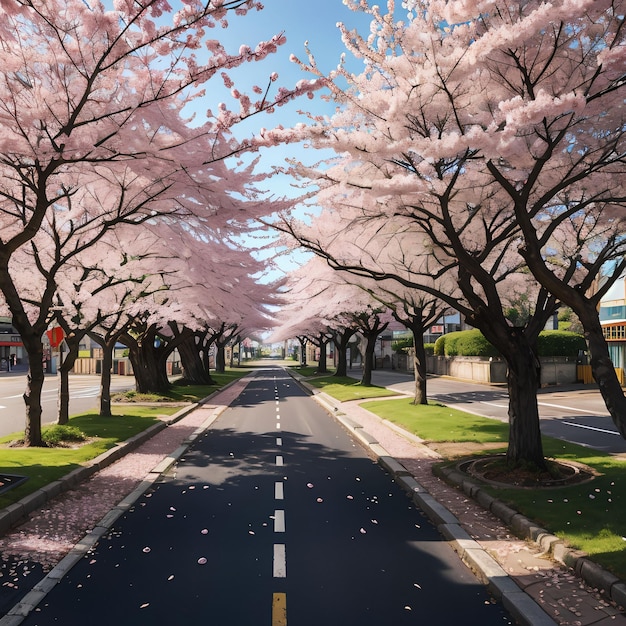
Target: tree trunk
{"type": "Point", "coordinates": [322, 366]}
{"type": "Point", "coordinates": [193, 367]}
{"type": "Point", "coordinates": [603, 369]}
{"type": "Point", "coordinates": [368, 362]}
{"type": "Point", "coordinates": [148, 368]}
{"type": "Point", "coordinates": [32, 396]}
{"type": "Point", "coordinates": [105, 378]}
{"type": "Point", "coordinates": [341, 341]}
{"type": "Point", "coordinates": [302, 352]}
{"type": "Point", "coordinates": [525, 445]}
{"type": "Point", "coordinates": [63, 408]}
{"type": "Point", "coordinates": [220, 359]}
{"type": "Point", "coordinates": [419, 367]}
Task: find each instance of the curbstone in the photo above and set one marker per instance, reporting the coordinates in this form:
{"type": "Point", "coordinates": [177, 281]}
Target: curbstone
{"type": "Point", "coordinates": [28, 603]}
{"type": "Point", "coordinates": [364, 436]}
{"type": "Point", "coordinates": [77, 476]}
{"type": "Point", "coordinates": [436, 512]}
{"type": "Point", "coordinates": [111, 517]}
{"type": "Point", "coordinates": [503, 511]}
{"type": "Point", "coordinates": [618, 593]}
{"type": "Point", "coordinates": [11, 620]}
{"type": "Point", "coordinates": [547, 541]}
{"type": "Point", "coordinates": [34, 500]}
{"type": "Point", "coordinates": [46, 585]}
{"type": "Point", "coordinates": [53, 489]}
{"type": "Point", "coordinates": [525, 610]}
{"type": "Point", "coordinates": [483, 565]}
{"type": "Point", "coordinates": [378, 450]}
{"type": "Point", "coordinates": [410, 484]}
{"type": "Point", "coordinates": [595, 575]}
{"type": "Point", "coordinates": [11, 515]}
{"type": "Point", "coordinates": [393, 466]}
{"type": "Point", "coordinates": [485, 499]}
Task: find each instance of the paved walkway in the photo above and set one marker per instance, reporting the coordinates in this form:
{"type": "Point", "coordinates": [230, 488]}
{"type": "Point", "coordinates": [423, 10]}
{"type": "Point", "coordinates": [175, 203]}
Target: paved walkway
{"type": "Point", "coordinates": [53, 531]}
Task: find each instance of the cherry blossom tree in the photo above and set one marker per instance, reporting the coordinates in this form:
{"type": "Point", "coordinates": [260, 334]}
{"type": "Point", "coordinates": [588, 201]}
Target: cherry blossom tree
{"type": "Point", "coordinates": [323, 305]}
{"type": "Point", "coordinates": [96, 132]}
{"type": "Point", "coordinates": [416, 310]}
{"type": "Point", "coordinates": [420, 134]}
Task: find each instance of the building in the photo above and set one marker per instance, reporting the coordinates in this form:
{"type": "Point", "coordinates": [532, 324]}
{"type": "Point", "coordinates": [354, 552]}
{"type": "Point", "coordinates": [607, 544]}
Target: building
{"type": "Point", "coordinates": [12, 351]}
{"type": "Point", "coordinates": [613, 320]}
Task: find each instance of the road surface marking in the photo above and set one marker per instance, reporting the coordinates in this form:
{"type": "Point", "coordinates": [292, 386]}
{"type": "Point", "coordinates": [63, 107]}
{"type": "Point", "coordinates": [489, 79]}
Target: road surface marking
{"type": "Point", "coordinates": [277, 425]}
{"type": "Point", "coordinates": [280, 561]}
{"type": "Point", "coordinates": [279, 491]}
{"type": "Point", "coordinates": [571, 408]}
{"type": "Point", "coordinates": [279, 460]}
{"type": "Point", "coordinates": [279, 609]}
{"type": "Point", "coordinates": [277, 409]}
{"type": "Point", "coordinates": [600, 430]}
{"type": "Point", "coordinates": [502, 406]}
{"type": "Point", "coordinates": [279, 441]}
{"type": "Point", "coordinates": [279, 521]}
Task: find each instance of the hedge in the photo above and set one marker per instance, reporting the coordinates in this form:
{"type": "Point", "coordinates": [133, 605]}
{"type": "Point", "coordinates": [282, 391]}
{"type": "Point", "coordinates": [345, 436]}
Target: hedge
{"type": "Point", "coordinates": [473, 343]}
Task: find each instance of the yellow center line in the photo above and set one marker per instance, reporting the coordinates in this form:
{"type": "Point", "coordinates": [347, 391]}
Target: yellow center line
{"type": "Point", "coordinates": [279, 609]}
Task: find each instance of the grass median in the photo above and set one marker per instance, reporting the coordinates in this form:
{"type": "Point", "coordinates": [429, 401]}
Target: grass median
{"type": "Point", "coordinates": [589, 516]}
{"type": "Point", "coordinates": [342, 388]}
{"type": "Point", "coordinates": [47, 464]}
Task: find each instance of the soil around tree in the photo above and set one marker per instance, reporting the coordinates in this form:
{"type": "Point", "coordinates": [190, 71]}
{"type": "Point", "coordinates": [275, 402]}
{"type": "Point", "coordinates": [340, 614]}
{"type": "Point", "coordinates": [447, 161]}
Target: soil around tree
{"type": "Point", "coordinates": [492, 469]}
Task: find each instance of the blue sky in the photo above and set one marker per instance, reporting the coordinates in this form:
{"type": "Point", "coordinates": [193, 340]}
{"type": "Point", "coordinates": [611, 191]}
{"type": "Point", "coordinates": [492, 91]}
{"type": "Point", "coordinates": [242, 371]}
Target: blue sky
{"type": "Point", "coordinates": [314, 22]}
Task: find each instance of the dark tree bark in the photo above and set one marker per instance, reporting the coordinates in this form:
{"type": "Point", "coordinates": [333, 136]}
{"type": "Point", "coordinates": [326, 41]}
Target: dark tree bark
{"type": "Point", "coordinates": [194, 356]}
{"type": "Point", "coordinates": [148, 366]}
{"type": "Point", "coordinates": [107, 342]}
{"type": "Point", "coordinates": [321, 341]}
{"type": "Point", "coordinates": [105, 378]}
{"type": "Point", "coordinates": [419, 368]}
{"type": "Point", "coordinates": [368, 361]}
{"type": "Point", "coordinates": [303, 343]}
{"type": "Point", "coordinates": [220, 357]}
{"type": "Point", "coordinates": [63, 407]}
{"type": "Point", "coordinates": [586, 308]}
{"type": "Point", "coordinates": [341, 339]}
{"type": "Point", "coordinates": [370, 326]}
{"type": "Point", "coordinates": [603, 368]}
{"type": "Point", "coordinates": [523, 382]}
{"type": "Point", "coordinates": [32, 395]}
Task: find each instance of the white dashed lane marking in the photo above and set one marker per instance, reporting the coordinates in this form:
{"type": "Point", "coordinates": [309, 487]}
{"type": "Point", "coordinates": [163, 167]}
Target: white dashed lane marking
{"type": "Point", "coordinates": [280, 561]}
{"type": "Point", "coordinates": [279, 491]}
{"type": "Point", "coordinates": [279, 521]}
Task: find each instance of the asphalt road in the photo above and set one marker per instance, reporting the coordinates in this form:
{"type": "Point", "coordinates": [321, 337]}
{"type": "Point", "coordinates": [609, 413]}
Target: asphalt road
{"type": "Point", "coordinates": [274, 516]}
{"type": "Point", "coordinates": [574, 413]}
{"type": "Point", "coordinates": [84, 392]}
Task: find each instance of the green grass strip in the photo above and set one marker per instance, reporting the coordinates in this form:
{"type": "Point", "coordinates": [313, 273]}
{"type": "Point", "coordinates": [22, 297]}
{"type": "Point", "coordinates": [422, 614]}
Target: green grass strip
{"type": "Point", "coordinates": [344, 388]}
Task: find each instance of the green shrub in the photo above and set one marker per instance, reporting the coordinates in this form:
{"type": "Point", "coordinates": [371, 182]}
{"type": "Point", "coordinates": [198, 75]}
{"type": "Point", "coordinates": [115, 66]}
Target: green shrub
{"type": "Point", "coordinates": [464, 343]}
{"type": "Point", "coordinates": [560, 343]}
{"type": "Point", "coordinates": [429, 348]}
{"type": "Point", "coordinates": [402, 345]}
{"type": "Point", "coordinates": [61, 433]}
{"type": "Point", "coordinates": [439, 347]}
{"type": "Point", "coordinates": [473, 343]}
